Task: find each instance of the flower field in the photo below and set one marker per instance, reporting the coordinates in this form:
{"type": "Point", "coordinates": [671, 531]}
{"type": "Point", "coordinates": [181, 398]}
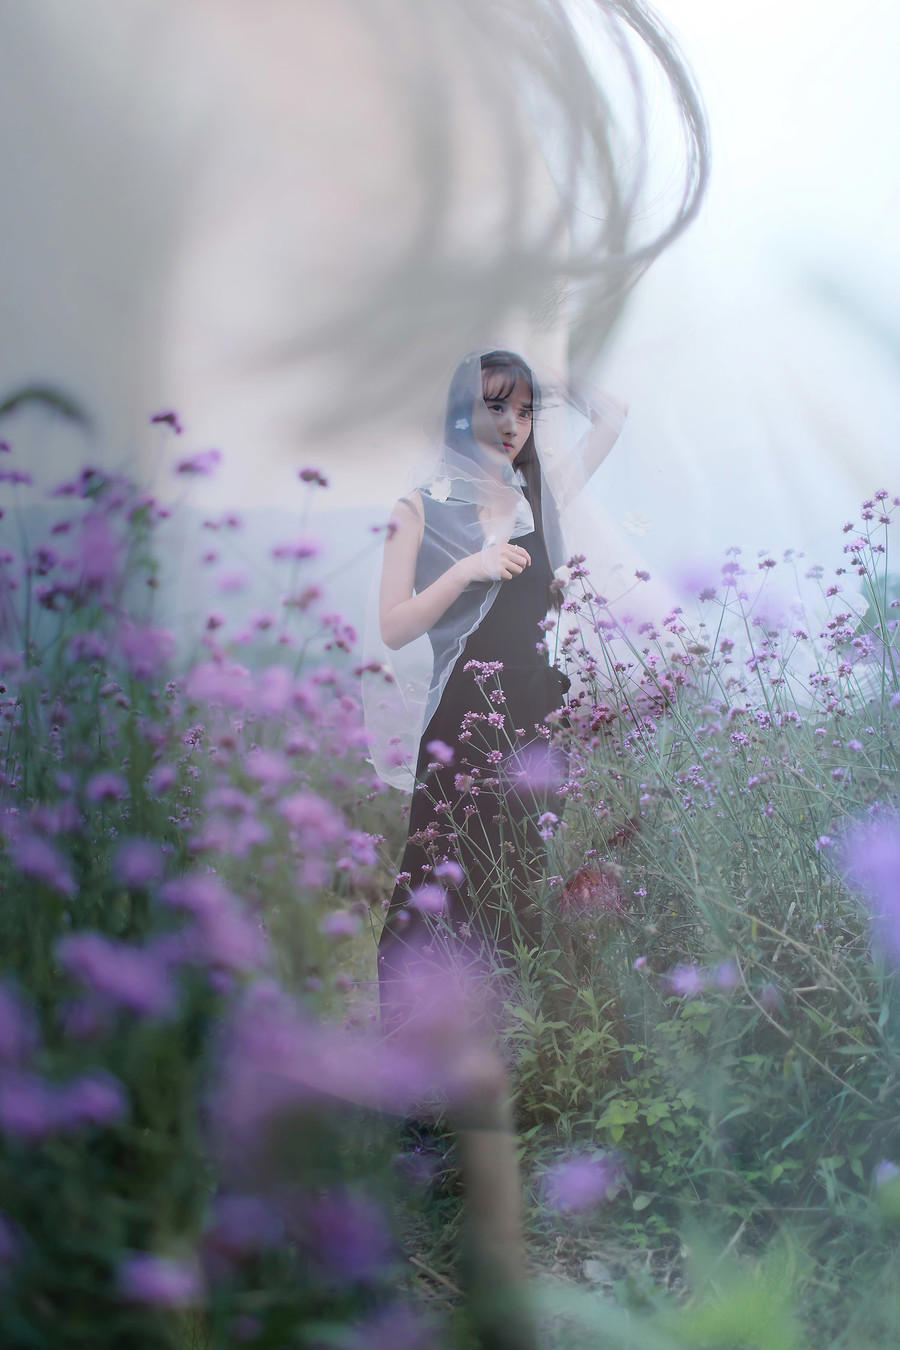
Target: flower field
{"type": "Point", "coordinates": [201, 1139]}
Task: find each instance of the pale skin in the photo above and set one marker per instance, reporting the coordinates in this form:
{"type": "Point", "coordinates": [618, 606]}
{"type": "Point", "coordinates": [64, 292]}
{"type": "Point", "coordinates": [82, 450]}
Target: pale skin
{"type": "Point", "coordinates": [500, 427]}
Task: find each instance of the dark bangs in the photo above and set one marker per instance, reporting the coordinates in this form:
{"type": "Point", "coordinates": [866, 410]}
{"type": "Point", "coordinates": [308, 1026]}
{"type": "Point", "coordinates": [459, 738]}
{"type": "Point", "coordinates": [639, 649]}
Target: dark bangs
{"type": "Point", "coordinates": [501, 372]}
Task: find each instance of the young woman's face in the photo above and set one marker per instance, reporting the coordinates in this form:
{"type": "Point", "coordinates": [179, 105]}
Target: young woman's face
{"type": "Point", "coordinates": [502, 423]}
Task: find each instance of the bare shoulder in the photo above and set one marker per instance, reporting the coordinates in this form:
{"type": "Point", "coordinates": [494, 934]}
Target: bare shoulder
{"type": "Point", "coordinates": [408, 514]}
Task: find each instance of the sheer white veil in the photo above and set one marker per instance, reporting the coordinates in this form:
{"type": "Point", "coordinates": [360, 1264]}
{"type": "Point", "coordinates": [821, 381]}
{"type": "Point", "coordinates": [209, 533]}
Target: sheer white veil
{"type": "Point", "coordinates": [469, 497]}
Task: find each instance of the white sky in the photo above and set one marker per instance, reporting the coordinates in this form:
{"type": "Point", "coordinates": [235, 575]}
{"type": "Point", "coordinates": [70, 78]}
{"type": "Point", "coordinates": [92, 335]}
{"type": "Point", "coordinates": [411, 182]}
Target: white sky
{"type": "Point", "coordinates": [761, 412]}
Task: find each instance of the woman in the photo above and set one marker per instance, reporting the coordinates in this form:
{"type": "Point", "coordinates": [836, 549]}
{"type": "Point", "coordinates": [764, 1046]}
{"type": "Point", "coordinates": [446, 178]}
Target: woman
{"type": "Point", "coordinates": [467, 563]}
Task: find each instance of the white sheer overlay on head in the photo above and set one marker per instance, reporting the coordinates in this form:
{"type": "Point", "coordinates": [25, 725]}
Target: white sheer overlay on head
{"type": "Point", "coordinates": [468, 497]}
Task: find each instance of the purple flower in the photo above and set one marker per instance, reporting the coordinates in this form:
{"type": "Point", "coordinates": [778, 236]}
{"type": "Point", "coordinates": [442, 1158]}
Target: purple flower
{"type": "Point", "coordinates": [348, 1235]}
{"type": "Point", "coordinates": [268, 767]}
{"type": "Point", "coordinates": [159, 1281]}
{"type": "Point", "coordinates": [145, 650]}
{"type": "Point", "coordinates": [885, 1172]}
{"type": "Point", "coordinates": [98, 551]}
{"type": "Point", "coordinates": [428, 900]}
{"type": "Point", "coordinates": [28, 1108]}
{"type": "Point", "coordinates": [92, 1099]}
{"type": "Point", "coordinates": [318, 822]}
{"type": "Point", "coordinates": [201, 463]}
{"type": "Point", "coordinates": [132, 977]}
{"type": "Point", "coordinates": [687, 981]}
{"type": "Point", "coordinates": [18, 1032]}
{"type": "Point", "coordinates": [340, 923]}
{"type": "Point", "coordinates": [168, 418]}
{"type": "Point", "coordinates": [871, 865]}
{"type": "Point", "coordinates": [241, 1226]}
{"type": "Point", "coordinates": [226, 936]}
{"type": "Point", "coordinates": [36, 858]}
{"type": "Point", "coordinates": [138, 862]}
{"type": "Point", "coordinates": [309, 475]}
{"type": "Point", "coordinates": [440, 751]}
{"type": "Point", "coordinates": [582, 1182]}
{"type": "Point", "coordinates": [396, 1327]}
{"type": "Point", "coordinates": [726, 975]}
{"type": "Point", "coordinates": [106, 787]}
{"type": "Point", "coordinates": [161, 779]}
{"type": "Point", "coordinates": [9, 1241]}
{"type": "Point", "coordinates": [298, 549]}
{"type": "Point", "coordinates": [449, 871]}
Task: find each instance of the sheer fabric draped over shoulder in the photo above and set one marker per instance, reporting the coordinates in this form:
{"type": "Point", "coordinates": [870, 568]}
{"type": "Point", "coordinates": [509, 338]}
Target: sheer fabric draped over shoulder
{"type": "Point", "coordinates": [468, 499]}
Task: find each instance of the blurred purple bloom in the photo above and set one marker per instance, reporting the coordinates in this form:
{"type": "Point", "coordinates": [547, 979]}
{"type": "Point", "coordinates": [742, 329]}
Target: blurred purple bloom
{"type": "Point", "coordinates": [9, 1241]}
{"type": "Point", "coordinates": [201, 463]}
{"type": "Point", "coordinates": [449, 871]}
{"type": "Point", "coordinates": [298, 549]}
{"type": "Point", "coordinates": [138, 862]}
{"type": "Point", "coordinates": [36, 858]}
{"type": "Point", "coordinates": [871, 866]}
{"type": "Point", "coordinates": [348, 1235]}
{"type": "Point", "coordinates": [18, 1031]}
{"type": "Point", "coordinates": [687, 981]}
{"type": "Point", "coordinates": [130, 976]}
{"type": "Point", "coordinates": [318, 822]}
{"type": "Point", "coordinates": [885, 1172]}
{"type": "Point", "coordinates": [27, 1105]}
{"type": "Point", "coordinates": [227, 936]}
{"type": "Point", "coordinates": [159, 1281]}
{"type": "Point", "coordinates": [221, 683]}
{"type": "Point", "coordinates": [145, 650]}
{"type": "Point", "coordinates": [268, 767]}
{"type": "Point", "coordinates": [726, 975]}
{"type": "Point", "coordinates": [106, 787]}
{"type": "Point", "coordinates": [340, 923]}
{"type": "Point", "coordinates": [440, 751]}
{"type": "Point", "coordinates": [581, 1183]}
{"type": "Point", "coordinates": [428, 900]}
{"type": "Point", "coordinates": [242, 1224]}
{"type": "Point", "coordinates": [396, 1327]}
{"type": "Point", "coordinates": [161, 779]}
{"type": "Point", "coordinates": [92, 1099]}
{"type": "Point", "coordinates": [98, 551]}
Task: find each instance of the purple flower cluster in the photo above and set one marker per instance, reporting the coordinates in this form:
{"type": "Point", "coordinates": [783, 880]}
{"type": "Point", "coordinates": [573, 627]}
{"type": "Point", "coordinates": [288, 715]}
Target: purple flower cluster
{"type": "Point", "coordinates": [582, 1182]}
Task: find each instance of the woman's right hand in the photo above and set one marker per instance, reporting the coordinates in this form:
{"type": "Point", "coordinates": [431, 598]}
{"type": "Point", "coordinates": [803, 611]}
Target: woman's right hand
{"type": "Point", "coordinates": [496, 562]}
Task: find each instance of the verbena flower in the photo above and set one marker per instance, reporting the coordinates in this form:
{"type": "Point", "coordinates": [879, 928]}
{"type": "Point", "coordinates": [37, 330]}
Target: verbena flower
{"type": "Point", "coordinates": [18, 1029]}
{"type": "Point", "coordinates": [203, 463]}
{"type": "Point", "coordinates": [159, 1281]}
{"type": "Point", "coordinates": [138, 862]}
{"type": "Point", "coordinates": [686, 981]}
{"type": "Point", "coordinates": [581, 1183]}
{"type": "Point", "coordinates": [871, 866]}
{"type": "Point", "coordinates": [106, 787]}
{"type": "Point", "coordinates": [128, 976]}
{"type": "Point", "coordinates": [36, 858]}
{"type": "Point", "coordinates": [339, 923]}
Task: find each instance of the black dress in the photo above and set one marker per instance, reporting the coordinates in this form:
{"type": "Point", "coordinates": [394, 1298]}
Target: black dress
{"type": "Point", "coordinates": [481, 811]}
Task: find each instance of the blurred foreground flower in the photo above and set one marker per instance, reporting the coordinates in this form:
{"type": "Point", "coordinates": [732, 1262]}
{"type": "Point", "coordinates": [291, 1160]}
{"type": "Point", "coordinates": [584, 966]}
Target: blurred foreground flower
{"type": "Point", "coordinates": [580, 1183]}
{"type": "Point", "coordinates": [159, 1281]}
{"type": "Point", "coordinates": [871, 866]}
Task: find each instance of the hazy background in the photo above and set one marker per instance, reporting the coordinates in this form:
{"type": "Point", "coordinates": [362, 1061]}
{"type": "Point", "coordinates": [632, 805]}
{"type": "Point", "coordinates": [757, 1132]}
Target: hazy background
{"type": "Point", "coordinates": [151, 235]}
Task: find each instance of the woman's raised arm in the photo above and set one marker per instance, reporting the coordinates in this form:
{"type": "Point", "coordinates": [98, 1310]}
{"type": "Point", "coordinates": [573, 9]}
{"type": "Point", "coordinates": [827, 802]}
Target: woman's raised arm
{"type": "Point", "coordinates": [405, 615]}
